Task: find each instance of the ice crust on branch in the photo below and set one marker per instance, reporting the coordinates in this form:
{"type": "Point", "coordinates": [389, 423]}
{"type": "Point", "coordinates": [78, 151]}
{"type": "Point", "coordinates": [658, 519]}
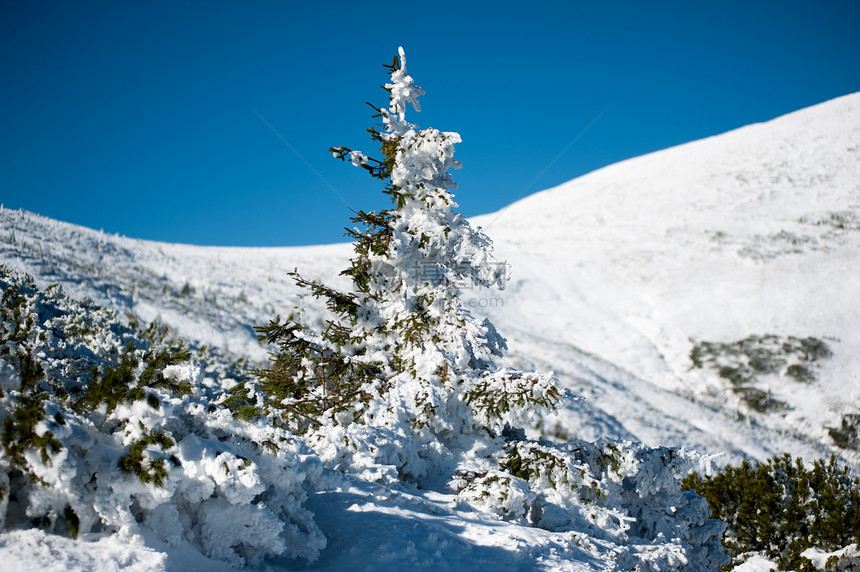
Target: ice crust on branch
{"type": "Point", "coordinates": [402, 89]}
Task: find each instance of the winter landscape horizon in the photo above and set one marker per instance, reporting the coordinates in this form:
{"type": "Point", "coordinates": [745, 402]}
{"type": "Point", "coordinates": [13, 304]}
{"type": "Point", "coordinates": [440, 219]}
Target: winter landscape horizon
{"type": "Point", "coordinates": [687, 309]}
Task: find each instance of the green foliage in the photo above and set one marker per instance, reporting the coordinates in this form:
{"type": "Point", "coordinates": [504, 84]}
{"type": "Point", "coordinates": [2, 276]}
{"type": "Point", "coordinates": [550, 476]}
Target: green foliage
{"type": "Point", "coordinates": [521, 390]}
{"type": "Point", "coordinates": [846, 436]}
{"type": "Point", "coordinates": [14, 332]}
{"type": "Point", "coordinates": [19, 432]}
{"type": "Point", "coordinates": [780, 508]}
{"type": "Point", "coordinates": [506, 495]}
{"type": "Point", "coordinates": [240, 403]}
{"type": "Point", "coordinates": [154, 363]}
{"type": "Point", "coordinates": [114, 386]}
{"type": "Point", "coordinates": [538, 461]}
{"type": "Point", "coordinates": [545, 465]}
{"type": "Point", "coordinates": [30, 370]}
{"type": "Point", "coordinates": [309, 377]}
{"type": "Point", "coordinates": [122, 383]}
{"type": "Point", "coordinates": [72, 521]}
{"type": "Point", "coordinates": [148, 465]}
{"type": "Point", "coordinates": [113, 379]}
{"type": "Point", "coordinates": [157, 332]}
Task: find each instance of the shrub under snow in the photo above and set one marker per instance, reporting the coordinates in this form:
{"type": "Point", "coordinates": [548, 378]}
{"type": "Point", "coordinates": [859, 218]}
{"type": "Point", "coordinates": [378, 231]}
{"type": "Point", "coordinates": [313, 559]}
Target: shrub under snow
{"type": "Point", "coordinates": [103, 433]}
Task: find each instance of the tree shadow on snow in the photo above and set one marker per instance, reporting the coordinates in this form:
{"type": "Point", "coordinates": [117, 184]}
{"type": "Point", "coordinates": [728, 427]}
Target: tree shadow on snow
{"type": "Point", "coordinates": [372, 528]}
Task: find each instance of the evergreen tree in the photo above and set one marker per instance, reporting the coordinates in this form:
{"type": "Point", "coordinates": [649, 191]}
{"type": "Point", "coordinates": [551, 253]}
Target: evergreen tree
{"type": "Point", "coordinates": [402, 353]}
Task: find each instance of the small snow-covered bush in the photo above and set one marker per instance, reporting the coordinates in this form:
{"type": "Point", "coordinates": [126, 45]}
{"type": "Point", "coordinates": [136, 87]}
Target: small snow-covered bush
{"type": "Point", "coordinates": [782, 508]}
{"type": "Point", "coordinates": [628, 498]}
{"type": "Point", "coordinates": [102, 432]}
{"type": "Point", "coordinates": [498, 492]}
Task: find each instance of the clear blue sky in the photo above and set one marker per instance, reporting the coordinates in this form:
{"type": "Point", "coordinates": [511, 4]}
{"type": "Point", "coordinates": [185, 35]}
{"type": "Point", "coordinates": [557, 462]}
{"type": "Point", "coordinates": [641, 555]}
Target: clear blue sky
{"type": "Point", "coordinates": [141, 118]}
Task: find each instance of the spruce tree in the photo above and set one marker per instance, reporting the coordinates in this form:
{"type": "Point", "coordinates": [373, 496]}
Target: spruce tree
{"type": "Point", "coordinates": [401, 352]}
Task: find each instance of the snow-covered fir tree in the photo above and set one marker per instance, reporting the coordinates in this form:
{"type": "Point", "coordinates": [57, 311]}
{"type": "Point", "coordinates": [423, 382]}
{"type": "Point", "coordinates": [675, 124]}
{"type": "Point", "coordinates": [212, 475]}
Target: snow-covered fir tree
{"type": "Point", "coordinates": [402, 354]}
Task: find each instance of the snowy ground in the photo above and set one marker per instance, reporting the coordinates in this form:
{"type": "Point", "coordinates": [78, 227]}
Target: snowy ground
{"type": "Point", "coordinates": [371, 528]}
{"type": "Point", "coordinates": [616, 277]}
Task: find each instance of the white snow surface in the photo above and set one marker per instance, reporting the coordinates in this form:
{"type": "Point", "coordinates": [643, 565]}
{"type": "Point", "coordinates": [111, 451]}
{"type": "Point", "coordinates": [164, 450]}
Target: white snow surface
{"type": "Point", "coordinates": [753, 232]}
{"type": "Point", "coordinates": [616, 276]}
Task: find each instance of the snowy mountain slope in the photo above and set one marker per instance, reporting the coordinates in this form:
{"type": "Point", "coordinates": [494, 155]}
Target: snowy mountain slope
{"type": "Point", "coordinates": [210, 295]}
{"type": "Point", "coordinates": [755, 232]}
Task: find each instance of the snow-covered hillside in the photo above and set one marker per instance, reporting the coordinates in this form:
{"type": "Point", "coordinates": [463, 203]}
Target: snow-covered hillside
{"type": "Point", "coordinates": [703, 296]}
{"type": "Point", "coordinates": [752, 236]}
{"type": "Point", "coordinates": [209, 295]}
